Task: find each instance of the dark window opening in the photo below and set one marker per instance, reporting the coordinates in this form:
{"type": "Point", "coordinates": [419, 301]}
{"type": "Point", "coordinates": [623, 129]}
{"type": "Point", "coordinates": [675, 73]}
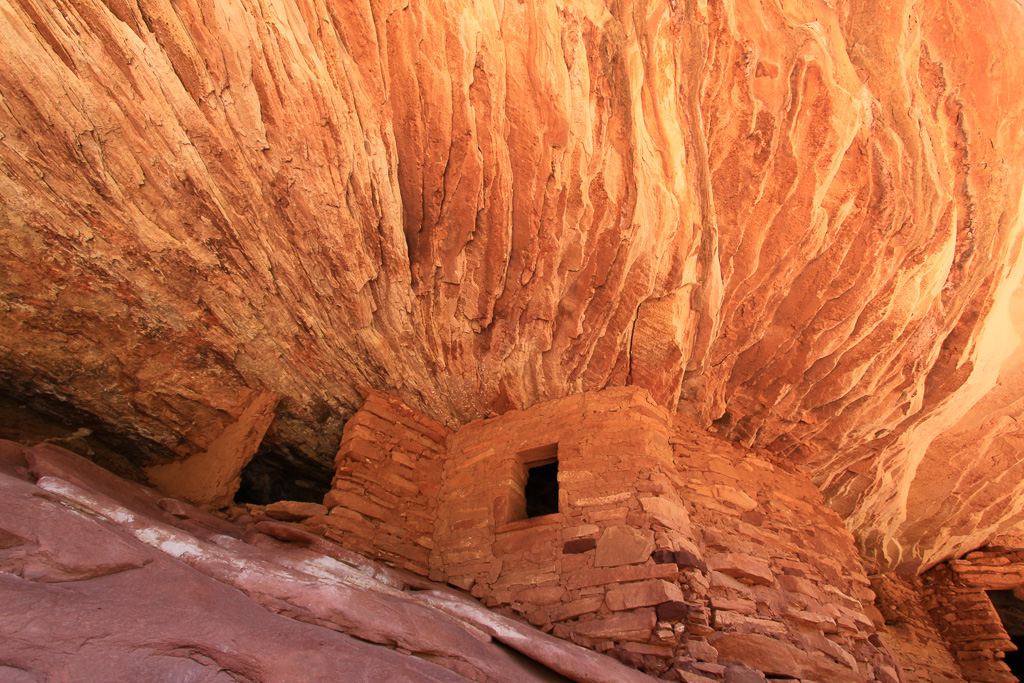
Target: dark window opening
{"type": "Point", "coordinates": [1011, 612]}
{"type": "Point", "coordinates": [534, 484]}
{"type": "Point", "coordinates": [542, 490]}
{"type": "Point", "coordinates": [1015, 660]}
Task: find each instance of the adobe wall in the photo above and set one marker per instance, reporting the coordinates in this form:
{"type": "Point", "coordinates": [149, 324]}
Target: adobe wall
{"type": "Point", "coordinates": [383, 500]}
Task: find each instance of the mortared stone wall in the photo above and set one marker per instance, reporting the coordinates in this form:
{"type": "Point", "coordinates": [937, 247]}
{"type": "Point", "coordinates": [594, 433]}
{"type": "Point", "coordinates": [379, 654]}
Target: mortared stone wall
{"type": "Point", "coordinates": [678, 552]}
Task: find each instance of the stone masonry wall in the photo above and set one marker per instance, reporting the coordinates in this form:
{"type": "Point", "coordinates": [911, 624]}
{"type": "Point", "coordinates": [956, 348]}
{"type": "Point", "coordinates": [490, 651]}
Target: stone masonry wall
{"type": "Point", "coordinates": [908, 629]}
{"type": "Point", "coordinates": [786, 591]}
{"type": "Point", "coordinates": [588, 572]}
{"type": "Point", "coordinates": [674, 550]}
{"type": "Point", "coordinates": [955, 594]}
{"type": "Point", "coordinates": [383, 500]}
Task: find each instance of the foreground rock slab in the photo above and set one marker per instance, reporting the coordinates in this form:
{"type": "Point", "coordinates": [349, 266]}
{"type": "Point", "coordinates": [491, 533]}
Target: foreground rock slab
{"type": "Point", "coordinates": [101, 588]}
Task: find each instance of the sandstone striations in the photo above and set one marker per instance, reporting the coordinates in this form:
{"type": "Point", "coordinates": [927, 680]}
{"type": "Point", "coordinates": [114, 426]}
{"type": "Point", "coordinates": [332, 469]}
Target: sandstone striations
{"type": "Point", "coordinates": [799, 220]}
{"type": "Point", "coordinates": [99, 582]}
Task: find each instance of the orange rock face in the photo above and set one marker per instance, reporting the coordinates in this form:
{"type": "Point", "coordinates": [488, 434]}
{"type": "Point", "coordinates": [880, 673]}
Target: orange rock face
{"type": "Point", "coordinates": [799, 219]}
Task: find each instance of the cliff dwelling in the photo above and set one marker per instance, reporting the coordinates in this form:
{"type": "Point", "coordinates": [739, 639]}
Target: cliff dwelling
{"type": "Point", "coordinates": [494, 340]}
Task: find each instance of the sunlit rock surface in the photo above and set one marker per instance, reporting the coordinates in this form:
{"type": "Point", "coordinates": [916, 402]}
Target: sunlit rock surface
{"type": "Point", "coordinates": [802, 219]}
{"type": "Point", "coordinates": [103, 578]}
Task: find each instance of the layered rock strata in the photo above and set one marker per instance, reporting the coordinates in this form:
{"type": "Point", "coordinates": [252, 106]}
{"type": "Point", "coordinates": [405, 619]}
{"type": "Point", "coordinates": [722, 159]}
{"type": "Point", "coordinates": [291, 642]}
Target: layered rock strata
{"type": "Point", "coordinates": [802, 218]}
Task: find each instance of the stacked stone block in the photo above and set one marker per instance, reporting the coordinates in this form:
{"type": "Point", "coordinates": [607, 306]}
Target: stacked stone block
{"type": "Point", "coordinates": [383, 500]}
{"type": "Point", "coordinates": [672, 550]}
{"type": "Point", "coordinates": [910, 632]}
{"type": "Point", "coordinates": [595, 572]}
{"type": "Point", "coordinates": [781, 566]}
{"type": "Point", "coordinates": [955, 595]}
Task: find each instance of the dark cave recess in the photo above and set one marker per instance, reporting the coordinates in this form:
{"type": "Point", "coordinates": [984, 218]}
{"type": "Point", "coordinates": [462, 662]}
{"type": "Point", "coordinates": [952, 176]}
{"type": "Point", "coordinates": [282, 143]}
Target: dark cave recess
{"type": "Point", "coordinates": [275, 473]}
{"type": "Point", "coordinates": [30, 419]}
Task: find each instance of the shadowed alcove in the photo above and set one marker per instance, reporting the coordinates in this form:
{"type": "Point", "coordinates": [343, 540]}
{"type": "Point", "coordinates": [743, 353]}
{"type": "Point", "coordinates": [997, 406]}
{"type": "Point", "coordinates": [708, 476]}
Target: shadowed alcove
{"type": "Point", "coordinates": [1011, 612]}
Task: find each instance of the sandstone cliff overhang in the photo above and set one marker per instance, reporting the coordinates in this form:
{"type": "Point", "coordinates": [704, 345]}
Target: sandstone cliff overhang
{"type": "Point", "coordinates": [799, 221]}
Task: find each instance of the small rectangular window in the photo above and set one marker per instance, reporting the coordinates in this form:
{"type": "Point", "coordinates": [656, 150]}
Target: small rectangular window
{"type": "Point", "coordinates": [538, 478]}
{"type": "Point", "coordinates": [542, 490]}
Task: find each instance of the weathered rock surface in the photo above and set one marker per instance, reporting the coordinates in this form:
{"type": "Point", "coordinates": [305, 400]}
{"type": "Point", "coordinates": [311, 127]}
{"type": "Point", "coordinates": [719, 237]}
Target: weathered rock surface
{"type": "Point", "coordinates": [93, 584]}
{"type": "Point", "coordinates": [742, 567]}
{"type": "Point", "coordinates": [801, 218]}
{"type": "Point", "coordinates": [291, 511]}
{"type": "Point", "coordinates": [212, 477]}
{"type": "Point", "coordinates": [619, 545]}
{"type": "Point", "coordinates": [779, 659]}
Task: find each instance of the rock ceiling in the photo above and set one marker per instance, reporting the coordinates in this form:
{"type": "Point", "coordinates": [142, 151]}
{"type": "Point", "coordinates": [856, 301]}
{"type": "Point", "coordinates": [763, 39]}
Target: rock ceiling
{"type": "Point", "coordinates": [798, 219]}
